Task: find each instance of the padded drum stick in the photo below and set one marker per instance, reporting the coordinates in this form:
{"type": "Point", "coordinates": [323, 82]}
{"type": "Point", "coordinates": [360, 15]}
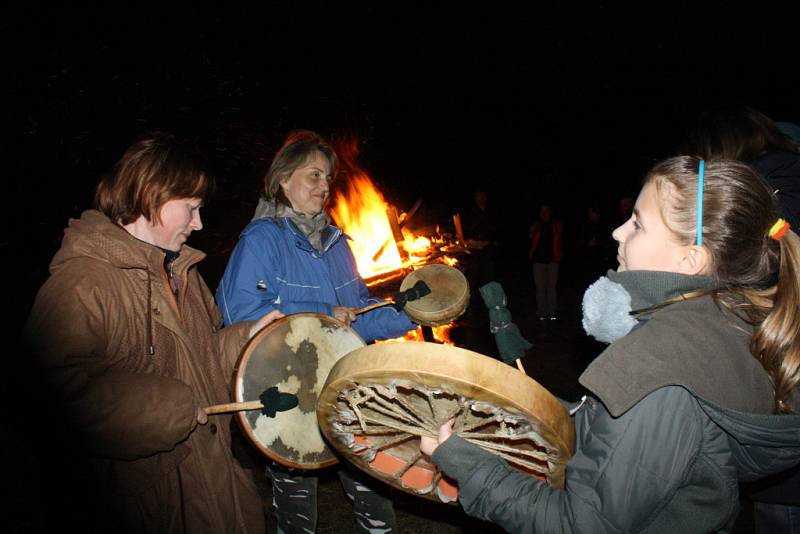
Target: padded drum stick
{"type": "Point", "coordinates": [419, 290]}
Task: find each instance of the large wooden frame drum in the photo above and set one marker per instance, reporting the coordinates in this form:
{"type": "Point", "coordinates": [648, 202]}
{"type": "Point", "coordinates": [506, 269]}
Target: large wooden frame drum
{"type": "Point", "coordinates": [294, 353]}
{"type": "Point", "coordinates": [379, 399]}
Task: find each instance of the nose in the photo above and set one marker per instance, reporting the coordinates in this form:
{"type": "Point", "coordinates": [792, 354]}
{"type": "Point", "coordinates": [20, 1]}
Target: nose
{"type": "Point", "coordinates": [197, 222]}
{"type": "Point", "coordinates": [618, 232]}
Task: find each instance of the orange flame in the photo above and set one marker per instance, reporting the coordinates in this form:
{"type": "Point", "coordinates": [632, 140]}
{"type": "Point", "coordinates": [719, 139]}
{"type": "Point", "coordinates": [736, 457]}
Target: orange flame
{"type": "Point", "coordinates": [441, 334]}
{"type": "Point", "coordinates": [361, 212]}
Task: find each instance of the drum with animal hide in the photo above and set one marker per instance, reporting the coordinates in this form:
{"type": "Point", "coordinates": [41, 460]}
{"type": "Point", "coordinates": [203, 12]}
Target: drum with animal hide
{"type": "Point", "coordinates": [379, 399]}
{"type": "Point", "coordinates": [295, 354]}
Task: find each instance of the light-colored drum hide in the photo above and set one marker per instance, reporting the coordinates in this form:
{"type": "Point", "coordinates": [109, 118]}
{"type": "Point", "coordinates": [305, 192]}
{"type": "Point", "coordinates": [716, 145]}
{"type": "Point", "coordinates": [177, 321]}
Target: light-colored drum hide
{"type": "Point", "coordinates": [295, 353]}
{"type": "Point", "coordinates": [379, 399]}
{"type": "Point", "coordinates": [447, 300]}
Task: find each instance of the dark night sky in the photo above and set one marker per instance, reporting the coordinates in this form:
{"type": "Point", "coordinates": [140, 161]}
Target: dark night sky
{"type": "Point", "coordinates": [568, 106]}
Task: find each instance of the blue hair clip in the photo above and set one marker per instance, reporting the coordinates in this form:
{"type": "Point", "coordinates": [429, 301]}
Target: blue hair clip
{"type": "Point", "coordinates": [701, 171]}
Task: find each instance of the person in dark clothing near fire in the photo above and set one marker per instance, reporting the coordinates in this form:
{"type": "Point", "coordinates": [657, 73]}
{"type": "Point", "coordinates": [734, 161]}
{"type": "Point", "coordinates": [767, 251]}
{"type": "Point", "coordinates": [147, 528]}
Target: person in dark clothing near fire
{"type": "Point", "coordinates": [482, 237]}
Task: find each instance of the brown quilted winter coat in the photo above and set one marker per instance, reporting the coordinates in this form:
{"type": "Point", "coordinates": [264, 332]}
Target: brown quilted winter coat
{"type": "Point", "coordinates": [131, 365]}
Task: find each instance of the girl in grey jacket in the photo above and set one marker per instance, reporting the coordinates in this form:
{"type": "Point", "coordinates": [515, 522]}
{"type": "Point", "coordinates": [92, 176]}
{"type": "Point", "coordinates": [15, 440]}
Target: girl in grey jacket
{"type": "Point", "coordinates": [696, 391]}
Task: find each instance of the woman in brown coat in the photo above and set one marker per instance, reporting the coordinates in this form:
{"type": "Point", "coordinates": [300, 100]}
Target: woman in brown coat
{"type": "Point", "coordinates": [130, 341]}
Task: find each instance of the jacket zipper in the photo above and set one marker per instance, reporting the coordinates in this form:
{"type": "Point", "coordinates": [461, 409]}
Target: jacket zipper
{"type": "Point", "coordinates": [173, 301]}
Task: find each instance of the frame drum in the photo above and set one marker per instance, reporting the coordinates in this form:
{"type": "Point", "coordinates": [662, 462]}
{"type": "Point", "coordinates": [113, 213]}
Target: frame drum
{"type": "Point", "coordinates": [379, 399]}
{"type": "Point", "coordinates": [294, 353]}
{"type": "Point", "coordinates": [447, 300]}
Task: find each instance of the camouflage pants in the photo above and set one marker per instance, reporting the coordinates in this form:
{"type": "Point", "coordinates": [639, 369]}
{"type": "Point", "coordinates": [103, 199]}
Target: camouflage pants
{"type": "Point", "coordinates": [294, 501]}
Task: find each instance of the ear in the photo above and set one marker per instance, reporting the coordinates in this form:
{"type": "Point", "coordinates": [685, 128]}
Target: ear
{"type": "Point", "coordinates": [695, 260]}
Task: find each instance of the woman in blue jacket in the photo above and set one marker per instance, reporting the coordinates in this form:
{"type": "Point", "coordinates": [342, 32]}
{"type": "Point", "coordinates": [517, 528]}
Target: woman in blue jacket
{"type": "Point", "coordinates": [291, 258]}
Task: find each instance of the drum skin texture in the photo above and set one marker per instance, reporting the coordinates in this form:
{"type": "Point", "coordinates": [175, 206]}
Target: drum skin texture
{"type": "Point", "coordinates": [379, 399]}
{"type": "Point", "coordinates": [295, 353]}
{"type": "Point", "coordinates": [447, 300]}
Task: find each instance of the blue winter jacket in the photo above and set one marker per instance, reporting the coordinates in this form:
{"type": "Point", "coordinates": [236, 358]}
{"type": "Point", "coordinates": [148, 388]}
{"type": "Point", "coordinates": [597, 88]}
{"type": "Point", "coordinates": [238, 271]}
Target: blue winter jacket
{"type": "Point", "coordinates": [273, 266]}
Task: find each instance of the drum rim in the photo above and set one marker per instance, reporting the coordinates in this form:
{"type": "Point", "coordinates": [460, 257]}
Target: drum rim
{"type": "Point", "coordinates": [561, 427]}
{"type": "Point", "coordinates": [241, 417]}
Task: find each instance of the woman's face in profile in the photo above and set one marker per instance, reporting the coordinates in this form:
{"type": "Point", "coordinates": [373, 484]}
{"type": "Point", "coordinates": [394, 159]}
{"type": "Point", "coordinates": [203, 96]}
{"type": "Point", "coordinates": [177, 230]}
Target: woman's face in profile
{"type": "Point", "coordinates": [178, 218]}
{"type": "Point", "coordinates": [308, 186]}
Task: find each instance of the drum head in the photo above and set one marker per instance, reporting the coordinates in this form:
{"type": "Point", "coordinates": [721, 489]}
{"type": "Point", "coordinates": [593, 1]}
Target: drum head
{"type": "Point", "coordinates": [447, 300]}
{"type": "Point", "coordinates": [294, 353]}
{"type": "Point", "coordinates": [379, 399]}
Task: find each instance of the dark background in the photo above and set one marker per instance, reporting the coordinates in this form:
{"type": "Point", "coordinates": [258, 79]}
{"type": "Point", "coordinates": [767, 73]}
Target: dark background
{"type": "Point", "coordinates": [562, 105]}
{"type": "Point", "coordinates": [568, 106]}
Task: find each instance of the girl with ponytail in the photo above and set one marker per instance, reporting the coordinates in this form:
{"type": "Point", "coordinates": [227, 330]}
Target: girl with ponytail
{"type": "Point", "coordinates": [697, 389]}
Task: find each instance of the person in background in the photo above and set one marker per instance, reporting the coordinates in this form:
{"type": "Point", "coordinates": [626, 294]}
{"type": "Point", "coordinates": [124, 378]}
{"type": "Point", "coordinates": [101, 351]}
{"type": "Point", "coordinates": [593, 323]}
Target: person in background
{"type": "Point", "coordinates": [131, 346]}
{"type": "Point", "coordinates": [545, 252]}
{"type": "Point", "coordinates": [292, 259]}
{"type": "Point", "coordinates": [738, 132]}
{"type": "Point", "coordinates": [483, 239]}
{"type": "Point", "coordinates": [595, 247]}
{"type": "Point", "coordinates": [698, 387]}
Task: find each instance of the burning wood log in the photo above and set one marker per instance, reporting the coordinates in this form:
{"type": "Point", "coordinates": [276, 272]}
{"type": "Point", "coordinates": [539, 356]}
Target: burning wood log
{"type": "Point", "coordinates": [397, 234]}
{"type": "Point", "coordinates": [405, 217]}
{"type": "Point", "coordinates": [396, 223]}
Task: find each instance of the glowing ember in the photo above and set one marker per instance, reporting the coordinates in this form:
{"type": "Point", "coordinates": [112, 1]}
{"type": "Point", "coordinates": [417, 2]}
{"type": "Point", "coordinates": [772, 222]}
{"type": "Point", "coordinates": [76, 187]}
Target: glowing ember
{"type": "Point", "coordinates": [440, 333]}
{"type": "Point", "coordinates": [415, 244]}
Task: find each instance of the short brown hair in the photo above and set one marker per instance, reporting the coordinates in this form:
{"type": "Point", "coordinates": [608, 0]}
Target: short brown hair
{"type": "Point", "coordinates": [154, 170]}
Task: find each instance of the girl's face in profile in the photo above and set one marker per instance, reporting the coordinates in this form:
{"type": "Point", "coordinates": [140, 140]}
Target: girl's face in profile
{"type": "Point", "coordinates": [645, 242]}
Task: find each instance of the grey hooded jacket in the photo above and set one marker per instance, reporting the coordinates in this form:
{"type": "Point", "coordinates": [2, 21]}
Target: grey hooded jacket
{"type": "Point", "coordinates": [681, 414]}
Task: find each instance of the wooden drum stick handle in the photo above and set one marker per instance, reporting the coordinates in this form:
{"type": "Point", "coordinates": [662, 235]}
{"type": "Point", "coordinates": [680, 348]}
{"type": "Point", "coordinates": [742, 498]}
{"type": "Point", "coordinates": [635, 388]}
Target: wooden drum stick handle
{"type": "Point", "coordinates": [233, 407]}
{"type": "Point", "coordinates": [373, 306]}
